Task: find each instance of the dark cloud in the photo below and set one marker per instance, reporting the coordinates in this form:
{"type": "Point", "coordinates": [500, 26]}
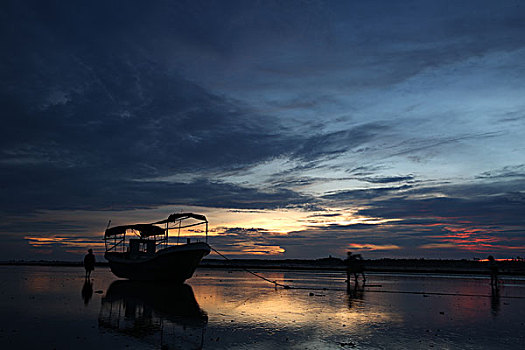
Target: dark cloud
{"type": "Point", "coordinates": [327, 215]}
{"type": "Point", "coordinates": [352, 226]}
{"type": "Point", "coordinates": [87, 113]}
{"type": "Point", "coordinates": [490, 210]}
{"type": "Point", "coordinates": [280, 180]}
{"type": "Point", "coordinates": [423, 147]}
{"type": "Point", "coordinates": [332, 144]}
{"type": "Point", "coordinates": [106, 194]}
{"type": "Point", "coordinates": [364, 170]}
{"type": "Point", "coordinates": [240, 231]}
{"type": "Point", "coordinates": [514, 171]}
{"type": "Point", "coordinates": [389, 179]}
{"type": "Point", "coordinates": [164, 117]}
{"type": "Point", "coordinates": [434, 35]}
{"type": "Point", "coordinates": [371, 193]}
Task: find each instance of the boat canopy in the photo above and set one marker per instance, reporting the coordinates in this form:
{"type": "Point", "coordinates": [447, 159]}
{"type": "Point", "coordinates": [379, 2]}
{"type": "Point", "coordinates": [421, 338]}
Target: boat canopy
{"type": "Point", "coordinates": [116, 236]}
{"type": "Point", "coordinates": [148, 230]}
{"type": "Point", "coordinates": [145, 230]}
{"type": "Point", "coordinates": [181, 216]}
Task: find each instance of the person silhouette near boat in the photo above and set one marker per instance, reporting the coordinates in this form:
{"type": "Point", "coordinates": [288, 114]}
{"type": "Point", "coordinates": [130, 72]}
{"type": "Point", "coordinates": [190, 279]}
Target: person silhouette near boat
{"type": "Point", "coordinates": [355, 266]}
{"type": "Point", "coordinates": [89, 263]}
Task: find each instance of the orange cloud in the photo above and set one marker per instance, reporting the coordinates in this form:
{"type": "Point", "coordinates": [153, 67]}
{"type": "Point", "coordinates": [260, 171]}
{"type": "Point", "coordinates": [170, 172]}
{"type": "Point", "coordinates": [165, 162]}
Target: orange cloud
{"type": "Point", "coordinates": [71, 244]}
{"type": "Point", "coordinates": [248, 248]}
{"type": "Point", "coordinates": [368, 246]}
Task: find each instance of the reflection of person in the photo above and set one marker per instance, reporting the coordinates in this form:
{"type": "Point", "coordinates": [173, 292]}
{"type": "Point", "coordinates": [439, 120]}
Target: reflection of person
{"type": "Point", "coordinates": [89, 262]}
{"type": "Point", "coordinates": [87, 291]}
{"type": "Point", "coordinates": [355, 292]}
{"type": "Point", "coordinates": [494, 302]}
{"type": "Point", "coordinates": [493, 267]}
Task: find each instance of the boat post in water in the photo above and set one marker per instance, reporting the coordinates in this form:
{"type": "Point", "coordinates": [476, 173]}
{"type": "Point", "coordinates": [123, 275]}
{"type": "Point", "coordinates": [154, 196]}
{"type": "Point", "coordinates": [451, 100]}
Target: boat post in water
{"type": "Point", "coordinates": [149, 255]}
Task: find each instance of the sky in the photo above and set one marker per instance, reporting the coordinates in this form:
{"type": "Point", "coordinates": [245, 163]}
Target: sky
{"type": "Point", "coordinates": [301, 129]}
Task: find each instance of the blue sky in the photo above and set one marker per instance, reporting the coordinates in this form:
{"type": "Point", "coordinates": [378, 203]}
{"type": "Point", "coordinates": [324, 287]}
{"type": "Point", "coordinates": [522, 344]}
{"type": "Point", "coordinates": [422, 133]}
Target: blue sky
{"type": "Point", "coordinates": [301, 128]}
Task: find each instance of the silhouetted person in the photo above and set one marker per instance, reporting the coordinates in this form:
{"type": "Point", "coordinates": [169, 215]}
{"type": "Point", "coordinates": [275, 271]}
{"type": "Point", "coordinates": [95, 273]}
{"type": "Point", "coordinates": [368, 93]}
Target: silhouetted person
{"type": "Point", "coordinates": [493, 267]}
{"type": "Point", "coordinates": [355, 266]}
{"type": "Point", "coordinates": [89, 263]}
{"type": "Point", "coordinates": [87, 291]}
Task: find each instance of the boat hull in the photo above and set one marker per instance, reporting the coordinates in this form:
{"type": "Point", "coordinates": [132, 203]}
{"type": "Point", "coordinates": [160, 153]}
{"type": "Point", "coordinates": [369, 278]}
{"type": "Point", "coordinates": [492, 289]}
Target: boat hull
{"type": "Point", "coordinates": [176, 263]}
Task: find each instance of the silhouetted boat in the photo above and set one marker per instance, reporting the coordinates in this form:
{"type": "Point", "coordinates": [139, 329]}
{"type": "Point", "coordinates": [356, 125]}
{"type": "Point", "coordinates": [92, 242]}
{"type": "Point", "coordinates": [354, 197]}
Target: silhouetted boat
{"type": "Point", "coordinates": [163, 314]}
{"type": "Point", "coordinates": [150, 255]}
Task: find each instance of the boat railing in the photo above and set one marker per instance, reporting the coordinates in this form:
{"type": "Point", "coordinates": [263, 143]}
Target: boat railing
{"type": "Point", "coordinates": [114, 243]}
{"type": "Point", "coordinates": [115, 237]}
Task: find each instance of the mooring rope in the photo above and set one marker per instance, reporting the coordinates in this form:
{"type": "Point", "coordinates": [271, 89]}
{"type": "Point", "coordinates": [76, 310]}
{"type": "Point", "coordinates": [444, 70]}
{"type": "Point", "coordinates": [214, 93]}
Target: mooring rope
{"type": "Point", "coordinates": [253, 273]}
{"type": "Point", "coordinates": [285, 286]}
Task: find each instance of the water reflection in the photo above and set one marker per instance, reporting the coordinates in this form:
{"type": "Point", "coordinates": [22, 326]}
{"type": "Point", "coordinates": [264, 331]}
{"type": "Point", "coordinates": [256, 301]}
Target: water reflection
{"type": "Point", "coordinates": [42, 308]}
{"type": "Point", "coordinates": [355, 291]}
{"type": "Point", "coordinates": [495, 301]}
{"type": "Point", "coordinates": [165, 315]}
{"type": "Point", "coordinates": [87, 291]}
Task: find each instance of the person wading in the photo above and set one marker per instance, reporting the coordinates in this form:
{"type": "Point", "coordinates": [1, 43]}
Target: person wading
{"type": "Point", "coordinates": [89, 263]}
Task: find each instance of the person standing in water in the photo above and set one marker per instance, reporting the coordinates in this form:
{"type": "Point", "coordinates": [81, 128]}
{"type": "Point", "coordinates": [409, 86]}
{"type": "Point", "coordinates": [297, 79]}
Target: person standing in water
{"type": "Point", "coordinates": [89, 263]}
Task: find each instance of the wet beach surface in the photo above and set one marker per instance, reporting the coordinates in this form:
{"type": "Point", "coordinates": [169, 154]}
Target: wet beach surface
{"type": "Point", "coordinates": [53, 308]}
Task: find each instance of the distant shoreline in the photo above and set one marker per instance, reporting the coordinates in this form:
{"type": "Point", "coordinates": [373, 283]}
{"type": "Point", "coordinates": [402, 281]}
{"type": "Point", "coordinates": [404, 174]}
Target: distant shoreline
{"type": "Point", "coordinates": [332, 264]}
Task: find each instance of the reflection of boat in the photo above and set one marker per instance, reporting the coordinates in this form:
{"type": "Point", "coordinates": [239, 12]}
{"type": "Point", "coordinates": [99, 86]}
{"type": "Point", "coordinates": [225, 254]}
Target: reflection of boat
{"type": "Point", "coordinates": [154, 312]}
{"type": "Point", "coordinates": [150, 255]}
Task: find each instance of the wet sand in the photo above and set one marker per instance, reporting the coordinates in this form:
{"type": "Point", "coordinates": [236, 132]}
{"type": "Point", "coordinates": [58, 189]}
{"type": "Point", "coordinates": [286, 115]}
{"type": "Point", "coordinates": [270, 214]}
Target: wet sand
{"type": "Point", "coordinates": [53, 308]}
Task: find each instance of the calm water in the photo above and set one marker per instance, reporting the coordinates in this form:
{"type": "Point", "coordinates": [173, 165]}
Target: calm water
{"type": "Point", "coordinates": [52, 307]}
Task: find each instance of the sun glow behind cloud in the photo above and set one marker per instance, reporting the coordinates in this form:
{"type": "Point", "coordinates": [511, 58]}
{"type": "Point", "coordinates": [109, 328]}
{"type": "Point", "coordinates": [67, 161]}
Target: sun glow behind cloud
{"type": "Point", "coordinates": [258, 232]}
{"type": "Point", "coordinates": [253, 230]}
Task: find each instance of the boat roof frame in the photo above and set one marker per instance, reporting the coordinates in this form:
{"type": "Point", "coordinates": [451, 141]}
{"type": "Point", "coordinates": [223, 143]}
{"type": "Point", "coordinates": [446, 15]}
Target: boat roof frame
{"type": "Point", "coordinates": [149, 230]}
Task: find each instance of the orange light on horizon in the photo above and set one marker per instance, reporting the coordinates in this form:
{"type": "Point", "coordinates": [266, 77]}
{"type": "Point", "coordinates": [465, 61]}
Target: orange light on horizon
{"type": "Point", "coordinates": [70, 244]}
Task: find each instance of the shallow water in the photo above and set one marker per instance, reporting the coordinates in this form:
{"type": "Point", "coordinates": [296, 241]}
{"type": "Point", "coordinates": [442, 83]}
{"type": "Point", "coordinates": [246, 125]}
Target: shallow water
{"type": "Point", "coordinates": [53, 308]}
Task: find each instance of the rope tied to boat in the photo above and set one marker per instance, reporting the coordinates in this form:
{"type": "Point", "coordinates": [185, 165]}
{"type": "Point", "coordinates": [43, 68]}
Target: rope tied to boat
{"type": "Point", "coordinates": [253, 273]}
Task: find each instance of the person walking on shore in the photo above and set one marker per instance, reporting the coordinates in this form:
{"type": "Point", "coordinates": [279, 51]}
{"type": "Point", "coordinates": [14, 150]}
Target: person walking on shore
{"type": "Point", "coordinates": [89, 263]}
